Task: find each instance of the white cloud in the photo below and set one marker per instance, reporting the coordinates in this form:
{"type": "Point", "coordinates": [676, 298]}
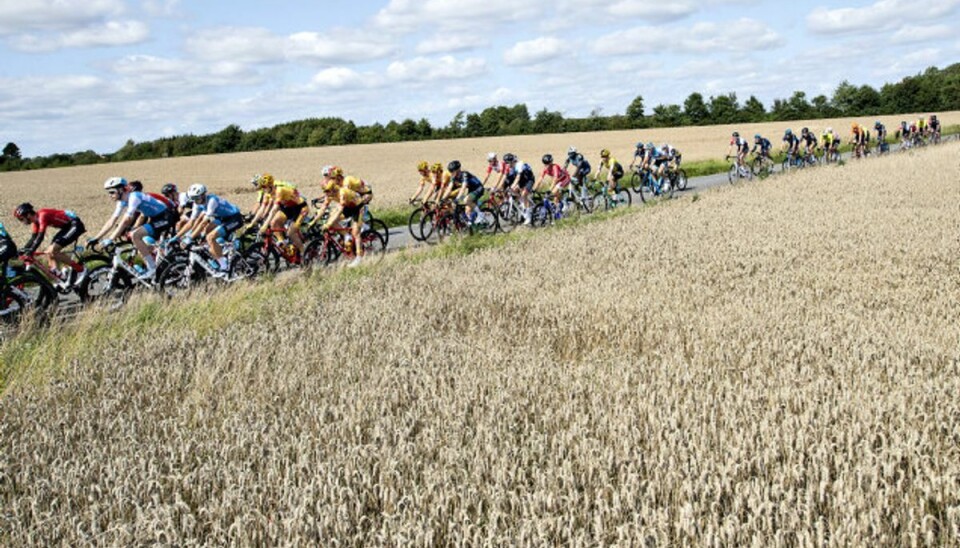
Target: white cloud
{"type": "Point", "coordinates": [147, 72]}
{"type": "Point", "coordinates": [881, 15]}
{"type": "Point", "coordinates": [653, 10]}
{"type": "Point", "coordinates": [740, 35]}
{"type": "Point", "coordinates": [450, 43]}
{"type": "Point", "coordinates": [339, 78]}
{"type": "Point", "coordinates": [44, 15]}
{"type": "Point", "coordinates": [109, 34]}
{"type": "Point", "coordinates": [428, 69]}
{"type": "Point", "coordinates": [162, 8]}
{"type": "Point", "coordinates": [920, 33]}
{"type": "Point", "coordinates": [259, 45]}
{"type": "Point", "coordinates": [532, 52]}
{"type": "Point", "coordinates": [443, 15]}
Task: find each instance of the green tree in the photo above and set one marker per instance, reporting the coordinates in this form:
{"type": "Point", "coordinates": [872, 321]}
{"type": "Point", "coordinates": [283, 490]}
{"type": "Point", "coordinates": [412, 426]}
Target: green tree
{"type": "Point", "coordinates": [753, 110]}
{"type": "Point", "coordinates": [547, 122]}
{"type": "Point", "coordinates": [11, 152]}
{"type": "Point", "coordinates": [667, 115]}
{"type": "Point", "coordinates": [635, 111]}
{"type": "Point", "coordinates": [724, 109]}
{"type": "Point", "coordinates": [845, 99]}
{"type": "Point", "coordinates": [695, 110]}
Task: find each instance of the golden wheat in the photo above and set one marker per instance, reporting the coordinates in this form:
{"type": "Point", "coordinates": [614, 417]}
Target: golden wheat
{"type": "Point", "coordinates": [772, 364]}
{"type": "Point", "coordinates": [389, 167]}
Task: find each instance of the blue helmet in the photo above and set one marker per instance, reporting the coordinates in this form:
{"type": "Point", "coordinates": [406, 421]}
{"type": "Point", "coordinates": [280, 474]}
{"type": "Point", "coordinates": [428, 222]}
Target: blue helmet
{"type": "Point", "coordinates": [788, 132]}
{"type": "Point", "coordinates": [757, 137]}
{"type": "Point", "coordinates": [651, 145]}
{"type": "Point", "coordinates": [640, 144]}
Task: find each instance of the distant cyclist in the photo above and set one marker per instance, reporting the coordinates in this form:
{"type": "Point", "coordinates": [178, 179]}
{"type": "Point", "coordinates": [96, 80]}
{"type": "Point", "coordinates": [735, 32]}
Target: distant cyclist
{"type": "Point", "coordinates": [934, 125]}
{"type": "Point", "coordinates": [494, 165]}
{"type": "Point", "coordinates": [639, 153]}
{"type": "Point", "coordinates": [427, 183]}
{"type": "Point", "coordinates": [809, 142]}
{"type": "Point", "coordinates": [614, 170]}
{"type": "Point", "coordinates": [158, 215]}
{"type": "Point", "coordinates": [559, 176]}
{"type": "Point", "coordinates": [70, 229]}
{"type": "Point", "coordinates": [762, 144]}
{"type": "Point", "coordinates": [214, 217]}
{"type": "Point", "coordinates": [473, 188]}
{"type": "Point", "coordinates": [581, 166]}
{"type": "Point", "coordinates": [521, 179]}
{"type": "Point", "coordinates": [740, 146]}
{"type": "Point", "coordinates": [791, 143]}
{"type": "Point", "coordinates": [881, 136]}
{"type": "Point", "coordinates": [858, 139]}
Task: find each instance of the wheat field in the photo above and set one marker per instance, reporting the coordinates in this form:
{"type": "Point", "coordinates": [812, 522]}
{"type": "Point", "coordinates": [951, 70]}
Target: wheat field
{"type": "Point", "coordinates": [391, 168]}
{"type": "Point", "coordinates": [775, 364]}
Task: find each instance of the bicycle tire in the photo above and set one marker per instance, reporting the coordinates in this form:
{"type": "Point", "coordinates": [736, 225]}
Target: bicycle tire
{"type": "Point", "coordinates": [373, 245]}
{"type": "Point", "coordinates": [176, 280]}
{"type": "Point", "coordinates": [646, 193]}
{"type": "Point", "coordinates": [732, 174]}
{"type": "Point", "coordinates": [414, 222]}
{"type": "Point", "coordinates": [507, 217]}
{"type": "Point", "coordinates": [487, 221]}
{"type": "Point", "coordinates": [12, 307]}
{"type": "Point", "coordinates": [636, 182]}
{"type": "Point", "coordinates": [680, 176]}
{"type": "Point", "coordinates": [381, 228]}
{"type": "Point", "coordinates": [542, 215]}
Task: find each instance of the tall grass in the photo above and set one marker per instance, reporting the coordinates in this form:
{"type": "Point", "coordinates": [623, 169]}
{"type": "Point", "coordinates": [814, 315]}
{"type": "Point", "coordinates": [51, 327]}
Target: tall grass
{"type": "Point", "coordinates": [774, 365]}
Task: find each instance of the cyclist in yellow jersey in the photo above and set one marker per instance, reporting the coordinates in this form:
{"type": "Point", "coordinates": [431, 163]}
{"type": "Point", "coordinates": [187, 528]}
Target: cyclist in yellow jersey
{"type": "Point", "coordinates": [281, 202]}
{"type": "Point", "coordinates": [347, 197]}
{"type": "Point", "coordinates": [922, 126]}
{"type": "Point", "coordinates": [614, 170]}
{"type": "Point", "coordinates": [426, 183]}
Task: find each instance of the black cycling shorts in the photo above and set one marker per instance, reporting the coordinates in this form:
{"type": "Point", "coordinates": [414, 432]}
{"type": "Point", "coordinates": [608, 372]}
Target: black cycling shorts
{"type": "Point", "coordinates": [353, 213]}
{"type": "Point", "coordinates": [158, 226]}
{"type": "Point", "coordinates": [70, 233]}
{"type": "Point", "coordinates": [292, 212]}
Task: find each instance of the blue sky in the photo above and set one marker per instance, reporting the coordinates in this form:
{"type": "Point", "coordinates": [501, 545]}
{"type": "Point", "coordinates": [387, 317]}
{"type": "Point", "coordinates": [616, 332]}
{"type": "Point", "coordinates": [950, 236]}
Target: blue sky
{"type": "Point", "coordinates": [90, 74]}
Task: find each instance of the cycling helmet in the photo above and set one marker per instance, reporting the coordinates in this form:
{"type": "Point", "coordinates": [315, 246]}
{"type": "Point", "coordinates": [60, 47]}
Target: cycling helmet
{"type": "Point", "coordinates": [136, 186]}
{"type": "Point", "coordinates": [788, 133]}
{"type": "Point", "coordinates": [510, 157]}
{"type": "Point", "coordinates": [453, 166]}
{"type": "Point", "coordinates": [604, 153]}
{"type": "Point", "coordinates": [736, 134]}
{"type": "Point", "coordinates": [491, 156]}
{"type": "Point", "coordinates": [23, 210]}
{"type": "Point", "coordinates": [255, 180]}
{"type": "Point", "coordinates": [572, 150]}
{"type": "Point", "coordinates": [168, 188]}
{"type": "Point", "coordinates": [265, 180]}
{"type": "Point", "coordinates": [640, 145]}
{"type": "Point", "coordinates": [877, 124]}
{"type": "Point", "coordinates": [854, 126]}
{"type": "Point", "coordinates": [829, 130]}
{"type": "Point", "coordinates": [196, 191]}
{"type": "Point", "coordinates": [333, 172]}
{"type": "Point", "coordinates": [665, 146]}
{"type": "Point", "coordinates": [933, 116]}
{"type": "Point", "coordinates": [804, 131]}
{"type": "Point", "coordinates": [651, 146]}
{"type": "Point", "coordinates": [422, 166]}
{"type": "Point", "coordinates": [437, 167]}
{"type": "Point", "coordinates": [547, 159]}
{"type": "Point", "coordinates": [114, 183]}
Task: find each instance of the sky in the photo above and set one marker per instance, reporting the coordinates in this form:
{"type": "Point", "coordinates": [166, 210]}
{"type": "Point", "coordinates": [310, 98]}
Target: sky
{"type": "Point", "coordinates": [91, 74]}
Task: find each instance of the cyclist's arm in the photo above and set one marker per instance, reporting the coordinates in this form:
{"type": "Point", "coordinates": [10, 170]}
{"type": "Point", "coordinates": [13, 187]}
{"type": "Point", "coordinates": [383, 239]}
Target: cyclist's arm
{"type": "Point", "coordinates": [274, 208]}
{"type": "Point", "coordinates": [36, 238]}
{"type": "Point", "coordinates": [200, 227]}
{"type": "Point", "coordinates": [110, 222]}
{"type": "Point", "coordinates": [335, 211]}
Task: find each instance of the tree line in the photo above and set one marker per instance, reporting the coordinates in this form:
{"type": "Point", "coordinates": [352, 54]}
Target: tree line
{"type": "Point", "coordinates": [934, 90]}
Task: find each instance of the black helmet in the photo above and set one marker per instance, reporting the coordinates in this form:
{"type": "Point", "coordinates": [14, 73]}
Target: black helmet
{"type": "Point", "coordinates": [736, 134]}
{"type": "Point", "coordinates": [137, 186]}
{"type": "Point", "coordinates": [510, 157]}
{"type": "Point", "coordinates": [23, 210]}
{"type": "Point", "coordinates": [168, 188]}
{"type": "Point", "coordinates": [804, 131]}
{"type": "Point", "coordinates": [453, 166]}
{"type": "Point", "coordinates": [547, 159]}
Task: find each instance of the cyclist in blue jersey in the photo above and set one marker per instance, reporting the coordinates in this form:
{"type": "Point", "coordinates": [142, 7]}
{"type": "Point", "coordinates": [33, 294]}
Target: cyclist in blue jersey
{"type": "Point", "coordinates": [469, 181]}
{"type": "Point", "coordinates": [520, 178]}
{"type": "Point", "coordinates": [809, 141]}
{"type": "Point", "coordinates": [791, 143]}
{"type": "Point", "coordinates": [639, 154]}
{"type": "Point", "coordinates": [582, 169]}
{"type": "Point", "coordinates": [762, 143]}
{"type": "Point", "coordinates": [158, 218]}
{"type": "Point", "coordinates": [655, 160]}
{"type": "Point", "coordinates": [214, 217]}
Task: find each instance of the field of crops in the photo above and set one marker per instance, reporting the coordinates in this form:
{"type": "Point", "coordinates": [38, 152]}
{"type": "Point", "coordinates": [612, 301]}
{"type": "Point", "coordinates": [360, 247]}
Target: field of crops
{"type": "Point", "coordinates": [389, 167]}
{"type": "Point", "coordinates": [772, 364]}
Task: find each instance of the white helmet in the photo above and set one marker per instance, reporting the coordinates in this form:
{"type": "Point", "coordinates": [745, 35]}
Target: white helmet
{"type": "Point", "coordinates": [196, 191]}
{"type": "Point", "coordinates": [572, 150]}
{"type": "Point", "coordinates": [255, 180]}
{"type": "Point", "coordinates": [491, 156]}
{"type": "Point", "coordinates": [327, 169]}
{"type": "Point", "coordinates": [829, 130]}
{"type": "Point", "coordinates": [115, 183]}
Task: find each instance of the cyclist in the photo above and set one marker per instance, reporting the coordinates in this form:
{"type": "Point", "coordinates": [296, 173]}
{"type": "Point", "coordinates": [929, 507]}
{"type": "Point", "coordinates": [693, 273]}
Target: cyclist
{"type": "Point", "coordinates": [741, 146]}
{"type": "Point", "coordinates": [355, 184]}
{"type": "Point", "coordinates": [158, 218]}
{"type": "Point", "coordinates": [639, 153]}
{"type": "Point", "coordinates": [582, 166]}
{"type": "Point", "coordinates": [934, 125]}
{"type": "Point", "coordinates": [922, 126]}
{"type": "Point", "coordinates": [521, 179]}
{"type": "Point", "coordinates": [494, 165]}
{"type": "Point", "coordinates": [614, 170]}
{"type": "Point", "coordinates": [468, 181]}
{"type": "Point", "coordinates": [881, 135]}
{"type": "Point", "coordinates": [560, 176]}
{"type": "Point", "coordinates": [791, 143]}
{"type": "Point", "coordinates": [427, 181]}
{"type": "Point", "coordinates": [71, 227]}
{"type": "Point", "coordinates": [283, 204]}
{"type": "Point", "coordinates": [673, 154]}
{"type": "Point", "coordinates": [763, 144]}
{"type": "Point", "coordinates": [826, 138]}
{"type": "Point", "coordinates": [347, 203]}
{"type": "Point", "coordinates": [859, 139]}
{"type": "Point", "coordinates": [809, 141]}
{"type": "Point", "coordinates": [180, 200]}
{"type": "Point", "coordinates": [213, 217]}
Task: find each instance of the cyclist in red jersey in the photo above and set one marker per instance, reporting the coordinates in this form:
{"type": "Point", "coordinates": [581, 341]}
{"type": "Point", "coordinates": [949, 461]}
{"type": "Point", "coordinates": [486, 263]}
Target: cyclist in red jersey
{"type": "Point", "coordinates": [71, 228]}
{"type": "Point", "coordinates": [560, 176]}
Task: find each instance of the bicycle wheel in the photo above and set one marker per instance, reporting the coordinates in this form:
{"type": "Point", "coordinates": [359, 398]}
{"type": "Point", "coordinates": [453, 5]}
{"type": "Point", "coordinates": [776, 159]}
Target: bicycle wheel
{"type": "Point", "coordinates": [109, 286]}
{"type": "Point", "coordinates": [646, 192]}
{"type": "Point", "coordinates": [12, 306]}
{"type": "Point", "coordinates": [602, 200]}
{"type": "Point", "coordinates": [414, 223]}
{"type": "Point", "coordinates": [667, 189]}
{"type": "Point", "coordinates": [177, 278]}
{"type": "Point", "coordinates": [486, 221]}
{"type": "Point", "coordinates": [542, 214]}
{"type": "Point", "coordinates": [636, 182]}
{"type": "Point", "coordinates": [732, 174]}
{"type": "Point", "coordinates": [374, 246]}
{"type": "Point", "coordinates": [507, 216]}
{"type": "Point", "coordinates": [680, 179]}
{"type": "Point", "coordinates": [380, 228]}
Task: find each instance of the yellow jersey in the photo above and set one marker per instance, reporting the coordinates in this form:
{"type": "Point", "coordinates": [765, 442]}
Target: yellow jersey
{"type": "Point", "coordinates": [348, 197]}
{"type": "Point", "coordinates": [286, 194]}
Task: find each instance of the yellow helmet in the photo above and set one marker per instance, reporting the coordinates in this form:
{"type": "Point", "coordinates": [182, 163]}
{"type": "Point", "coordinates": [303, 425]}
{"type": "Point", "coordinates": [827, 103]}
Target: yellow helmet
{"type": "Point", "coordinates": [336, 173]}
{"type": "Point", "coordinates": [854, 126]}
{"type": "Point", "coordinates": [330, 185]}
{"type": "Point", "coordinates": [604, 153]}
{"type": "Point", "coordinates": [423, 166]}
{"type": "Point", "coordinates": [266, 180]}
{"type": "Point", "coordinates": [437, 168]}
